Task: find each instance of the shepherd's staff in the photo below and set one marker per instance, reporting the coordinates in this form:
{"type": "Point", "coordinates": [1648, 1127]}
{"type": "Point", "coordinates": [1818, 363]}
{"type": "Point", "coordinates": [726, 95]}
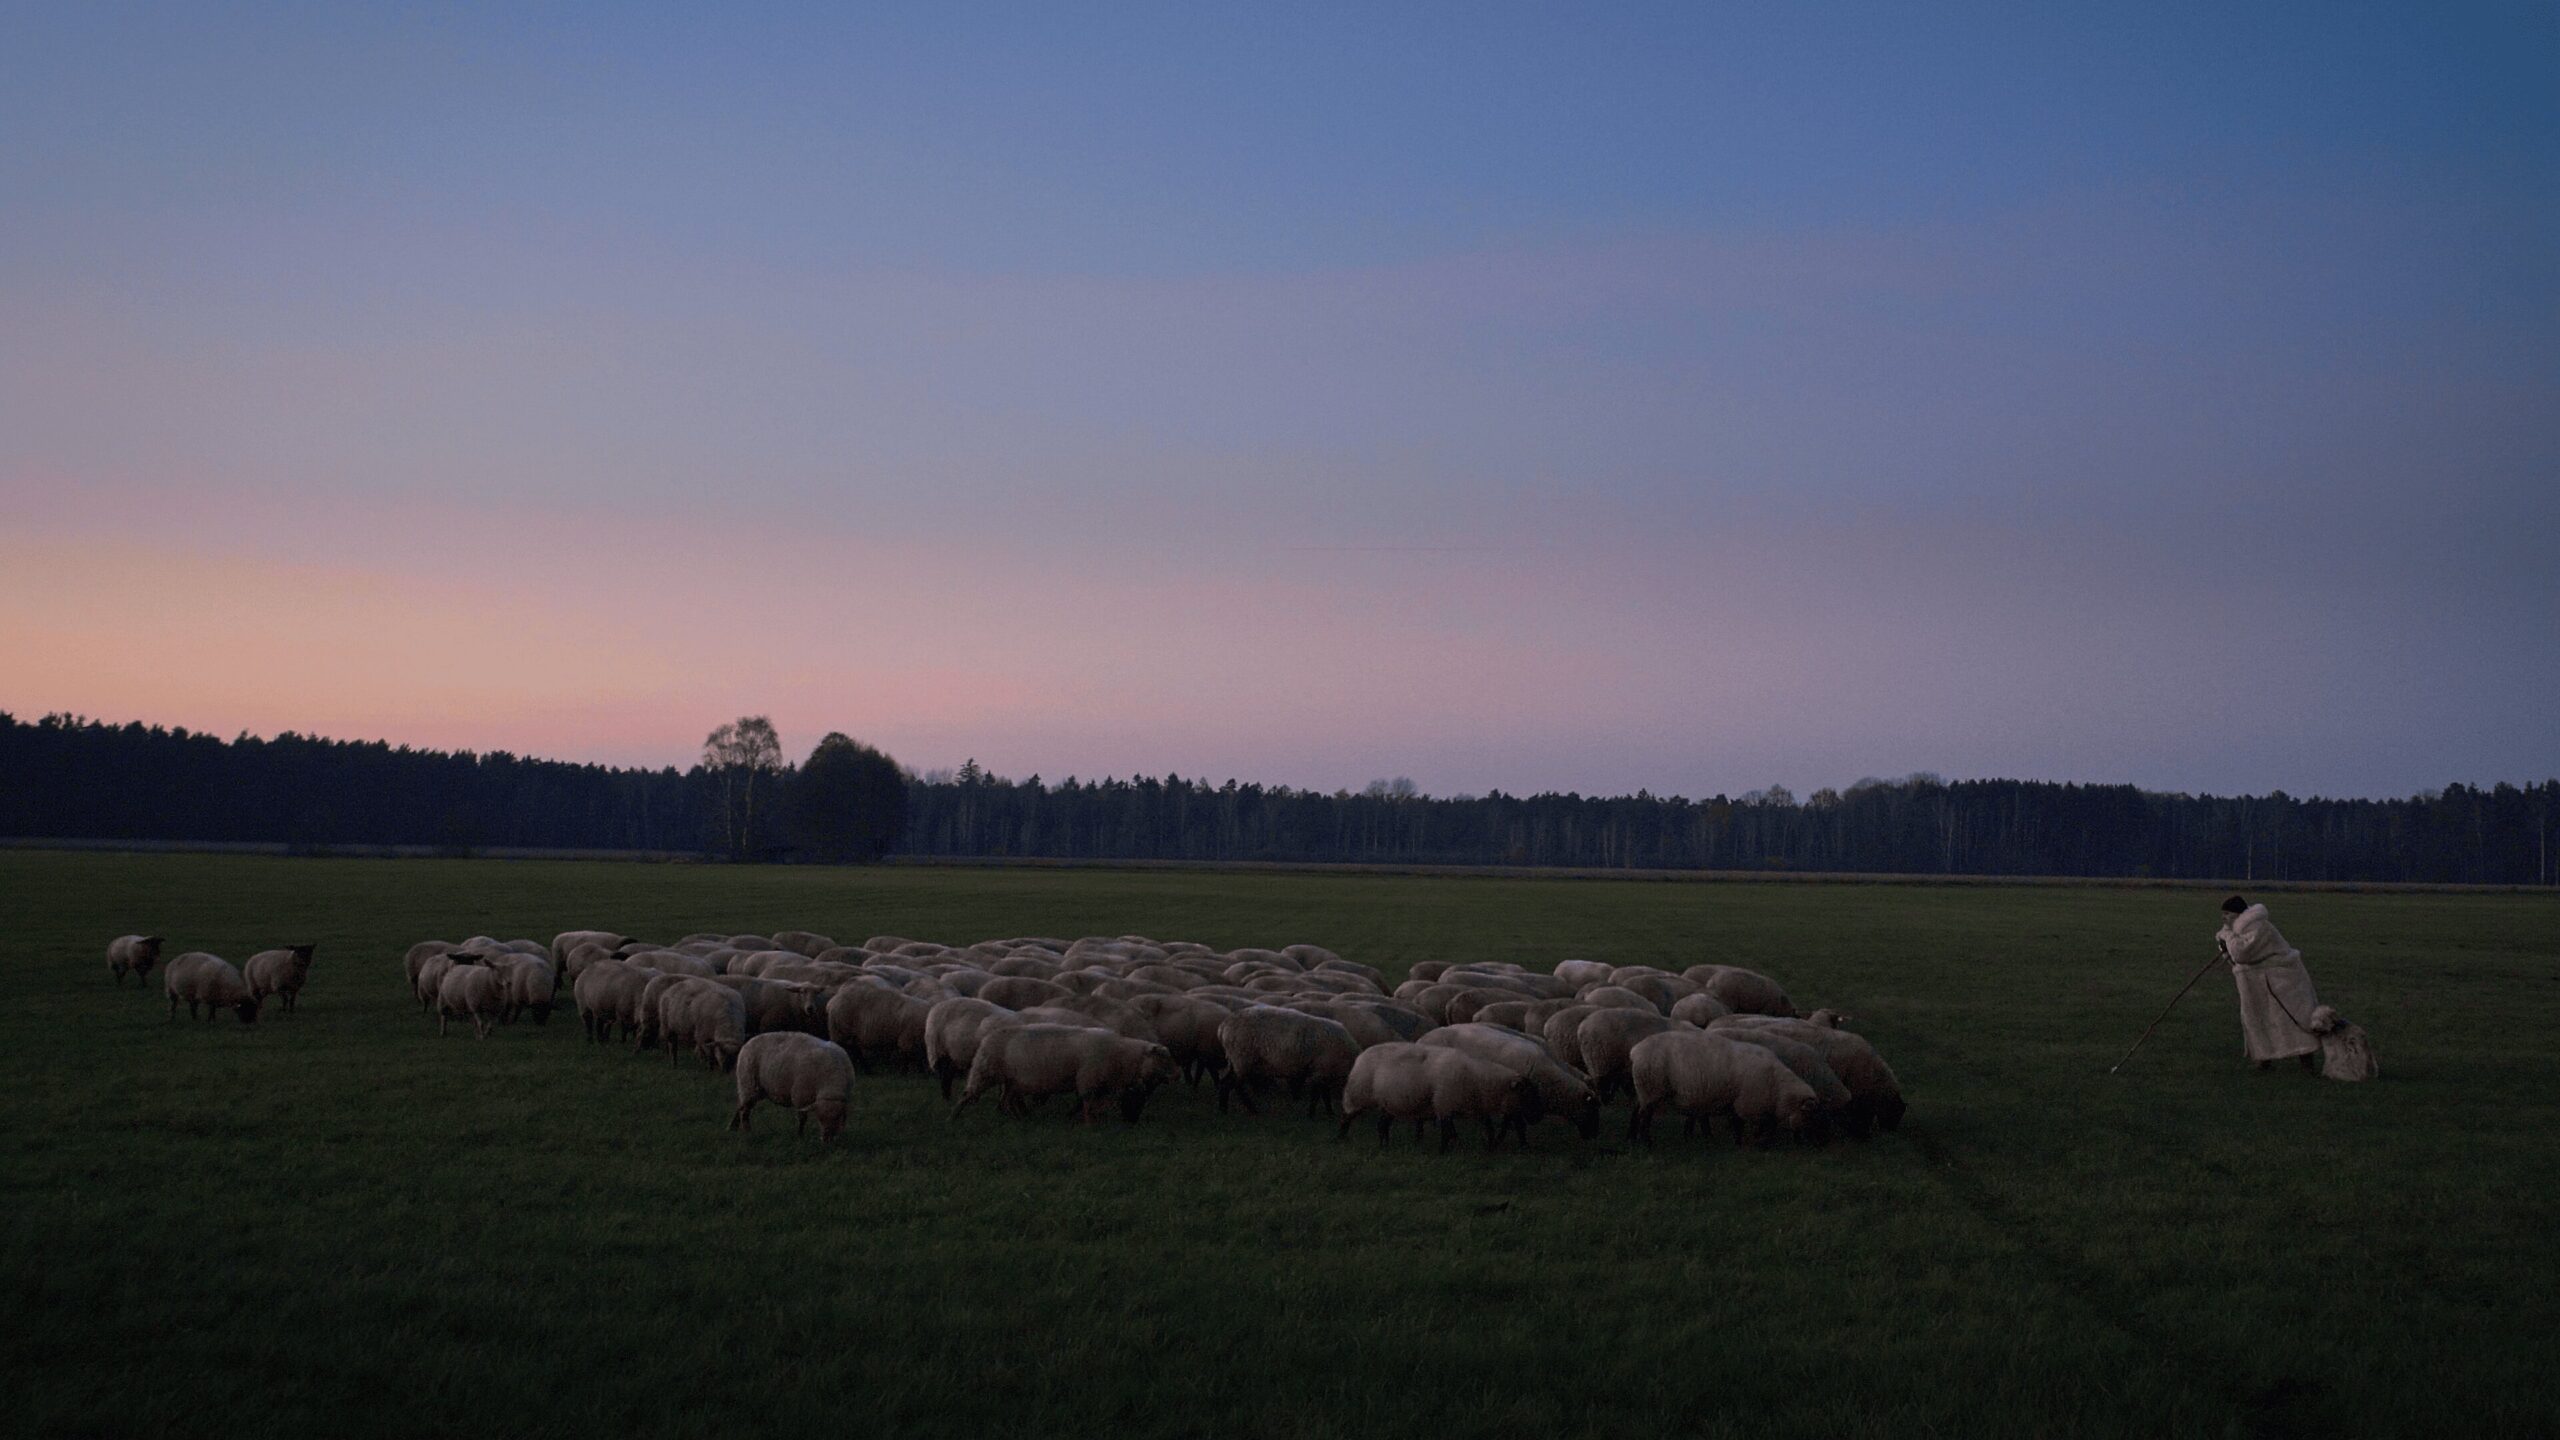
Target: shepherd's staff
{"type": "Point", "coordinates": [2220, 957]}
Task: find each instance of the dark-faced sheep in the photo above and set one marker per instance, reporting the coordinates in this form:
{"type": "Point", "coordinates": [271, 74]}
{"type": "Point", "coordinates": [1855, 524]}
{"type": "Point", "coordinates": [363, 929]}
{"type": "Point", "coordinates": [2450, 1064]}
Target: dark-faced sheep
{"type": "Point", "coordinates": [135, 954]}
{"type": "Point", "coordinates": [280, 973]}
{"type": "Point", "coordinates": [812, 1076]}
{"type": "Point", "coordinates": [208, 982]}
{"type": "Point", "coordinates": [1875, 1093]}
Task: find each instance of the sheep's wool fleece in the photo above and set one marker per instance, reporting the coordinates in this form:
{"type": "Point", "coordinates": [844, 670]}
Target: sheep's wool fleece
{"type": "Point", "coordinates": [2272, 982]}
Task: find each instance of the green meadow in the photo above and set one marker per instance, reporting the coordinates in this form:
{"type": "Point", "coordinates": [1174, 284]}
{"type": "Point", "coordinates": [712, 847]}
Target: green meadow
{"type": "Point", "coordinates": [334, 1222]}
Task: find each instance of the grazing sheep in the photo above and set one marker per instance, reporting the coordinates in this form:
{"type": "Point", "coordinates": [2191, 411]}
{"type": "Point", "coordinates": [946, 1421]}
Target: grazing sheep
{"type": "Point", "coordinates": [1701, 1009]}
{"type": "Point", "coordinates": [1563, 1033]}
{"type": "Point", "coordinates": [1619, 997]}
{"type": "Point", "coordinates": [951, 1031]}
{"type": "Point", "coordinates": [2346, 1052]}
{"type": "Point", "coordinates": [1307, 1053]}
{"type": "Point", "coordinates": [568, 940]}
{"type": "Point", "coordinates": [1663, 990]}
{"type": "Point", "coordinates": [1021, 992]}
{"type": "Point", "coordinates": [1745, 992]}
{"type": "Point", "coordinates": [1427, 971]}
{"type": "Point", "coordinates": [1607, 1038]}
{"type": "Point", "coordinates": [1808, 1065]}
{"type": "Point", "coordinates": [208, 982]}
{"type": "Point", "coordinates": [530, 985]}
{"type": "Point", "coordinates": [420, 953]}
{"type": "Point", "coordinates": [1578, 973]}
{"type": "Point", "coordinates": [806, 942]}
{"type": "Point", "coordinates": [607, 994]}
{"type": "Point", "coordinates": [705, 1017]}
{"type": "Point", "coordinates": [1430, 1083]}
{"type": "Point", "coordinates": [431, 972]}
{"type": "Point", "coordinates": [1561, 1092]}
{"type": "Point", "coordinates": [779, 1004]}
{"type": "Point", "coordinates": [1703, 1074]}
{"type": "Point", "coordinates": [1033, 1062]}
{"type": "Point", "coordinates": [812, 1076]}
{"type": "Point", "coordinates": [1189, 1028]}
{"type": "Point", "coordinates": [280, 973]}
{"type": "Point", "coordinates": [135, 953]}
{"type": "Point", "coordinates": [1368, 1026]}
{"type": "Point", "coordinates": [476, 992]}
{"type": "Point", "coordinates": [1875, 1094]}
{"type": "Point", "coordinates": [877, 1025]}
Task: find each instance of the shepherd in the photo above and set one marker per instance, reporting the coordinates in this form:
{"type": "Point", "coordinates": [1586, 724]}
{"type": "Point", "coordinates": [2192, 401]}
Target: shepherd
{"type": "Point", "coordinates": [2276, 998]}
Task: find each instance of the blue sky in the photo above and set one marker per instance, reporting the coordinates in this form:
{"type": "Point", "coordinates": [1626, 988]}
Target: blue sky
{"type": "Point", "coordinates": [1504, 396]}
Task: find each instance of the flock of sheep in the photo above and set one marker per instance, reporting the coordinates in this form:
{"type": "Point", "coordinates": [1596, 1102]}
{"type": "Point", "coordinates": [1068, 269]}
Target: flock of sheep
{"type": "Point", "coordinates": [1109, 1020]}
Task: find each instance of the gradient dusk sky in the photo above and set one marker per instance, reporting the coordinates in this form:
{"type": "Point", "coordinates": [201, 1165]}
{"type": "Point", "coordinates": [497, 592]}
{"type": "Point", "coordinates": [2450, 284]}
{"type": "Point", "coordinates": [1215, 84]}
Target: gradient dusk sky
{"type": "Point", "coordinates": [1522, 397]}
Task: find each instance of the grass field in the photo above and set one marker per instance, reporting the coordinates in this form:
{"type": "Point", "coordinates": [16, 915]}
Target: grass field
{"type": "Point", "coordinates": [335, 1223]}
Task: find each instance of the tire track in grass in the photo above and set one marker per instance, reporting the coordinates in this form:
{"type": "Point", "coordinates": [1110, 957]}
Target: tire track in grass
{"type": "Point", "coordinates": [2276, 1411]}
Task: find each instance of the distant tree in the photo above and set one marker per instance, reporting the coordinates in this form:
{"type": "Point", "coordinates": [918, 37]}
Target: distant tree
{"type": "Point", "coordinates": [849, 802]}
{"type": "Point", "coordinates": [739, 753]}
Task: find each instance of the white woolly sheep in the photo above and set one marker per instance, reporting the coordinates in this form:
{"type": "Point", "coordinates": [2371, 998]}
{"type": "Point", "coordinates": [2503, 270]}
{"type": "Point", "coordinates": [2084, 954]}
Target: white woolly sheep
{"type": "Point", "coordinates": [208, 981]}
{"type": "Point", "coordinates": [280, 973]}
{"type": "Point", "coordinates": [1561, 1092]}
{"type": "Point", "coordinates": [1033, 1062]}
{"type": "Point", "coordinates": [476, 992]}
{"type": "Point", "coordinates": [1309, 1054]}
{"type": "Point", "coordinates": [1703, 1074]}
{"type": "Point", "coordinates": [1429, 1083]}
{"type": "Point", "coordinates": [135, 954]}
{"type": "Point", "coordinates": [812, 1076]}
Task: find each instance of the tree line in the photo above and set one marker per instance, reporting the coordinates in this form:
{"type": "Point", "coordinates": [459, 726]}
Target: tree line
{"type": "Point", "coordinates": [71, 777]}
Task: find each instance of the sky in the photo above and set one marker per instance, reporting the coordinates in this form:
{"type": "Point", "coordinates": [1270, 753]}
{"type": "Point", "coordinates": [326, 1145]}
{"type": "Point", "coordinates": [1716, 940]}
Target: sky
{"type": "Point", "coordinates": [1523, 397]}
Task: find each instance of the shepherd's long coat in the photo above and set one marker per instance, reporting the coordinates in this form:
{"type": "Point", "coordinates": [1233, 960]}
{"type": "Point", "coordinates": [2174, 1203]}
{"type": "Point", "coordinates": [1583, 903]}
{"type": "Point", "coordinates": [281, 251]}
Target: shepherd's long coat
{"type": "Point", "coordinates": [2276, 998]}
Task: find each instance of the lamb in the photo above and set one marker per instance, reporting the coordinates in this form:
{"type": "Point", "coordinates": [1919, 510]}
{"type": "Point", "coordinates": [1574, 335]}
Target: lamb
{"type": "Point", "coordinates": [1431, 1083]}
{"type": "Point", "coordinates": [208, 982]}
{"type": "Point", "coordinates": [1309, 1054]}
{"type": "Point", "coordinates": [1607, 1038]}
{"type": "Point", "coordinates": [1032, 1062]}
{"type": "Point", "coordinates": [877, 1025]}
{"type": "Point", "coordinates": [1559, 1091]}
{"type": "Point", "coordinates": [135, 953]}
{"type": "Point", "coordinates": [476, 992]}
{"type": "Point", "coordinates": [812, 1076]}
{"type": "Point", "coordinates": [1745, 992]}
{"type": "Point", "coordinates": [703, 1016]}
{"type": "Point", "coordinates": [2346, 1052]}
{"type": "Point", "coordinates": [280, 973]}
{"type": "Point", "coordinates": [1703, 1074]}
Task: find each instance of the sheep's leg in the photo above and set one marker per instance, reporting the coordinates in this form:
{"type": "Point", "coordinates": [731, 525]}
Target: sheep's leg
{"type": "Point", "coordinates": [738, 1118]}
{"type": "Point", "coordinates": [1343, 1131]}
{"type": "Point", "coordinates": [1386, 1127]}
{"type": "Point", "coordinates": [1448, 1132]}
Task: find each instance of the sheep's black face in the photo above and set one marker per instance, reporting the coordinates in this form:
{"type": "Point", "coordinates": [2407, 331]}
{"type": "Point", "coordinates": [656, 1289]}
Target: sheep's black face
{"type": "Point", "coordinates": [1587, 1117]}
{"type": "Point", "coordinates": [247, 1010]}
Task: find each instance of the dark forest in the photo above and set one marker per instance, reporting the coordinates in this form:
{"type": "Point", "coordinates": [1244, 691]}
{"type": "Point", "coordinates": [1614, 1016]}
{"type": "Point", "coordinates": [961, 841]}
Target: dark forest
{"type": "Point", "coordinates": [67, 777]}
